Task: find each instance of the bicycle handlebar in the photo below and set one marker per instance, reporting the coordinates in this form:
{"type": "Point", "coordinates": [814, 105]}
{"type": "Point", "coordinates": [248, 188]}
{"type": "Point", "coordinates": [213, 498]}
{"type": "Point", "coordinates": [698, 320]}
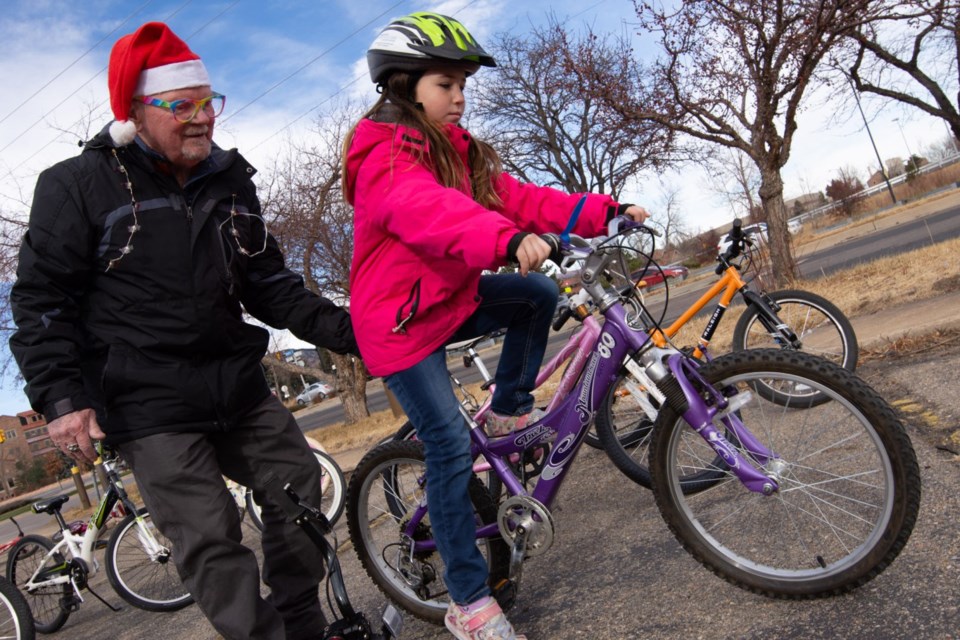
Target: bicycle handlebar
{"type": "Point", "coordinates": [352, 624]}
{"type": "Point", "coordinates": [737, 241]}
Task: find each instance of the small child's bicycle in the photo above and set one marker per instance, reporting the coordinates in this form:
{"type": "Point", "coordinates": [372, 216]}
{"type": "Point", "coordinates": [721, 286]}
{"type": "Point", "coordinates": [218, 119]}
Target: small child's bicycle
{"type": "Point", "coordinates": [782, 497]}
{"type": "Point", "coordinates": [138, 563]}
{"type": "Point", "coordinates": [6, 546]}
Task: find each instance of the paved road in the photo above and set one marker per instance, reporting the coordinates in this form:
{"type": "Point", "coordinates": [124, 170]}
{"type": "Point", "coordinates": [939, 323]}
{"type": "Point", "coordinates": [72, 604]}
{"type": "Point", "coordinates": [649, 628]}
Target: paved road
{"type": "Point", "coordinates": [616, 572]}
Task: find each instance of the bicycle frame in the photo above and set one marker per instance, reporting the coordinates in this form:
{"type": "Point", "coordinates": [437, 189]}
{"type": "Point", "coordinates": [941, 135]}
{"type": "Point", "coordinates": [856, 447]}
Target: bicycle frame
{"type": "Point", "coordinates": [571, 414]}
{"type": "Point", "coordinates": [729, 284]}
{"type": "Point", "coordinates": [81, 546]}
{"type": "Point", "coordinates": [578, 346]}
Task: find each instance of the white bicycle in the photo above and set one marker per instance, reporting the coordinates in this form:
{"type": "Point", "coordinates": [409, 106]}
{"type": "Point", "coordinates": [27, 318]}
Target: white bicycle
{"type": "Point", "coordinates": [332, 486]}
{"type": "Point", "coordinates": [138, 560]}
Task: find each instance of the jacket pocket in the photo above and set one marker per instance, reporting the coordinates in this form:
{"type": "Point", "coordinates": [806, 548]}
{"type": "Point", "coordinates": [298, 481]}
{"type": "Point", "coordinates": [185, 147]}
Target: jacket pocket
{"type": "Point", "coordinates": [140, 391]}
{"type": "Point", "coordinates": [408, 310]}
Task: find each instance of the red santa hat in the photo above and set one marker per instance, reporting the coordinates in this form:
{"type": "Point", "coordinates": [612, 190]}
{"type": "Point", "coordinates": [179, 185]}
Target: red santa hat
{"type": "Point", "coordinates": [149, 61]}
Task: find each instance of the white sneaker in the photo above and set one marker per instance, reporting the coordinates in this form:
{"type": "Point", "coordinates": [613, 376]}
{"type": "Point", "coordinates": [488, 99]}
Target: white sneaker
{"type": "Point", "coordinates": [487, 623]}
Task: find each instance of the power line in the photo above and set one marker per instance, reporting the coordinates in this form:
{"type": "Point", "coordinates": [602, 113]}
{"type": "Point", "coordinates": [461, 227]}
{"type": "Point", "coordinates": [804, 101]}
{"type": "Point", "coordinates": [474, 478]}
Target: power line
{"type": "Point", "coordinates": [78, 121]}
{"type": "Point", "coordinates": [341, 89]}
{"type": "Point", "coordinates": [322, 54]}
{"type": "Point", "coordinates": [78, 59]}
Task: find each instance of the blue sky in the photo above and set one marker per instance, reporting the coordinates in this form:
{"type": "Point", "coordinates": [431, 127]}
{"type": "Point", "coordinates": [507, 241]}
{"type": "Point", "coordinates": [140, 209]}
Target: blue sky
{"type": "Point", "coordinates": [278, 61]}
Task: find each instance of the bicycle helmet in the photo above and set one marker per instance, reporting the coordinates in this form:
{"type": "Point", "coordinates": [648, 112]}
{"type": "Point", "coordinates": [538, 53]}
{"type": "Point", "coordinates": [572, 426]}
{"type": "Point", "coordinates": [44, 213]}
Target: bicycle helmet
{"type": "Point", "coordinates": [421, 41]}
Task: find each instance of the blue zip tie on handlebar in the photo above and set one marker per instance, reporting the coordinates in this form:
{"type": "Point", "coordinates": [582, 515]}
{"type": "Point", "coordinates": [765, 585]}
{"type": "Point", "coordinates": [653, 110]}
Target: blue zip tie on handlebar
{"type": "Point", "coordinates": [565, 234]}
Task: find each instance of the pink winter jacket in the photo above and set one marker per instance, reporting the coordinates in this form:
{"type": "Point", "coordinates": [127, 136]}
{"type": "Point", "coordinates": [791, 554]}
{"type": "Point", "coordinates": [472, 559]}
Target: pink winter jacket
{"type": "Point", "coordinates": [419, 248]}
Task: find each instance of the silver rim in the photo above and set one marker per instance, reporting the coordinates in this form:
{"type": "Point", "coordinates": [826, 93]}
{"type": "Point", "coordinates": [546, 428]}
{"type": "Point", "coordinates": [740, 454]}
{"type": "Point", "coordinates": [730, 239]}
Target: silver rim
{"type": "Point", "coordinates": [836, 493]}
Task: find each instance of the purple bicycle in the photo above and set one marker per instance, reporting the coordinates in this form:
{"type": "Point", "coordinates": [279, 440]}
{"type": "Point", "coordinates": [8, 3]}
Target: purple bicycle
{"type": "Point", "coordinates": [837, 483]}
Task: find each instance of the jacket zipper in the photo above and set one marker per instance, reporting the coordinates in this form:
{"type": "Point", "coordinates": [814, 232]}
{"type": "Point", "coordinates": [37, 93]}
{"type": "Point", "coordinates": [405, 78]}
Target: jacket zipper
{"type": "Point", "coordinates": [414, 301]}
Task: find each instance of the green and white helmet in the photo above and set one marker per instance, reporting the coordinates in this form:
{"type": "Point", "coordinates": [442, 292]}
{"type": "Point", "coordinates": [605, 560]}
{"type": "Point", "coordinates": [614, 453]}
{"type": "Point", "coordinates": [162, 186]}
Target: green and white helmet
{"type": "Point", "coordinates": [424, 40]}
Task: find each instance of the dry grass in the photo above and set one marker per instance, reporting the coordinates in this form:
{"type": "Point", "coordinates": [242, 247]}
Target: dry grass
{"type": "Point", "coordinates": [912, 345]}
{"type": "Point", "coordinates": [362, 435]}
{"type": "Point", "coordinates": [911, 189]}
{"type": "Point", "coordinates": [919, 274]}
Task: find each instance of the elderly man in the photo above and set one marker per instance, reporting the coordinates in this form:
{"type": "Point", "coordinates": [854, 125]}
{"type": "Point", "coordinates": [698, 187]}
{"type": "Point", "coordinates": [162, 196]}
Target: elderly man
{"type": "Point", "coordinates": [139, 256]}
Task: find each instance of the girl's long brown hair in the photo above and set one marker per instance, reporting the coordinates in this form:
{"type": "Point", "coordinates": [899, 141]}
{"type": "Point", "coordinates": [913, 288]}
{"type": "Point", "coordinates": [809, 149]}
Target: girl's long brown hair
{"type": "Point", "coordinates": [397, 105]}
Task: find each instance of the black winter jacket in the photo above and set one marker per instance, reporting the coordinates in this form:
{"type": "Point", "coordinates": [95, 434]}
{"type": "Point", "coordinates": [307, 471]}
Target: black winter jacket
{"type": "Point", "coordinates": [157, 342]}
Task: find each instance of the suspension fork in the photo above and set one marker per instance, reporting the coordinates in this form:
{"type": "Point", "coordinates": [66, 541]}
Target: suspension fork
{"type": "Point", "coordinates": [700, 416]}
{"type": "Point", "coordinates": [767, 309]}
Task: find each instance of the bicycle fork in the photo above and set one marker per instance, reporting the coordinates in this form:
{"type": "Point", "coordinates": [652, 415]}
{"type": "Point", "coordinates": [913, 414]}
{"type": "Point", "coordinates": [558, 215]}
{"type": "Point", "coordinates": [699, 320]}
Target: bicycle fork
{"type": "Point", "coordinates": [156, 551]}
{"type": "Point", "coordinates": [781, 332]}
{"type": "Point", "coordinates": [680, 390]}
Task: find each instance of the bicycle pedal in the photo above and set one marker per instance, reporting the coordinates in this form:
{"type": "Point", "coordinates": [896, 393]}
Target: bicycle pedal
{"type": "Point", "coordinates": [70, 603]}
{"type": "Point", "coordinates": [505, 593]}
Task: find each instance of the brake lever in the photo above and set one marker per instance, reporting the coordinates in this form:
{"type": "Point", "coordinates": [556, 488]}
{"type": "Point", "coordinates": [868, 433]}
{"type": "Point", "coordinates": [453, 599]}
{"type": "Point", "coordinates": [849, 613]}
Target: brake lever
{"type": "Point", "coordinates": [619, 224]}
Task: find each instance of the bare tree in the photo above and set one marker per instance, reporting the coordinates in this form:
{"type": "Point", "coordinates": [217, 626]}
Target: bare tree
{"type": "Point", "coordinates": [306, 212]}
{"type": "Point", "coordinates": [668, 215]}
{"type": "Point", "coordinates": [731, 73]}
{"type": "Point", "coordinates": [548, 130]}
{"type": "Point", "coordinates": [14, 214]}
{"type": "Point", "coordinates": [735, 177]}
{"type": "Point", "coordinates": [907, 51]}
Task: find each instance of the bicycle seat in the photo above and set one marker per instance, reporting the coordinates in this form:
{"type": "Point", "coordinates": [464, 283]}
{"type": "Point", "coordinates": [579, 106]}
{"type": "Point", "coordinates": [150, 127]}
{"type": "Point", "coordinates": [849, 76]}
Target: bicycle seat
{"type": "Point", "coordinates": [464, 345]}
{"type": "Point", "coordinates": [51, 505]}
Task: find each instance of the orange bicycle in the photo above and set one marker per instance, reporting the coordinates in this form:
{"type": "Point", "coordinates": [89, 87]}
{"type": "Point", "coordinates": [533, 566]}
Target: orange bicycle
{"type": "Point", "coordinates": [788, 319]}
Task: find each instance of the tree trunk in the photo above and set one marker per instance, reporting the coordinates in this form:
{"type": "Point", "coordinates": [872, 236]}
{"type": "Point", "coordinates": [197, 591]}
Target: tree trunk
{"type": "Point", "coordinates": [780, 243]}
{"type": "Point", "coordinates": [352, 385]}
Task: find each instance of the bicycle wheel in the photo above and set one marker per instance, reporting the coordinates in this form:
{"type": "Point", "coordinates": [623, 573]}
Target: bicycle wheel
{"type": "Point", "coordinates": [332, 487]}
{"type": "Point", "coordinates": [414, 582]}
{"type": "Point", "coordinates": [145, 578]}
{"type": "Point", "coordinates": [16, 622]}
{"type": "Point", "coordinates": [624, 430]}
{"type": "Point", "coordinates": [407, 433]}
{"type": "Point", "coordinates": [822, 328]}
{"type": "Point", "coordinates": [27, 558]}
{"type": "Point", "coordinates": [849, 483]}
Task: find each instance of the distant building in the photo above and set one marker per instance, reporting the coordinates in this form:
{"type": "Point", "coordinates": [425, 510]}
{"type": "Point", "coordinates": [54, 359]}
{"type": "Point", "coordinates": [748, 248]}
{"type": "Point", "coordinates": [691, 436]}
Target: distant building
{"type": "Point", "coordinates": [301, 357]}
{"type": "Point", "coordinates": [24, 437]}
{"type": "Point", "coordinates": [804, 203]}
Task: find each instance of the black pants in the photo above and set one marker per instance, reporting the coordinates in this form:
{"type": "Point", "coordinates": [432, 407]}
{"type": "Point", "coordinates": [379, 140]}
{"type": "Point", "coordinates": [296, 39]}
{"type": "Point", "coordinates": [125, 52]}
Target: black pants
{"type": "Point", "coordinates": [180, 480]}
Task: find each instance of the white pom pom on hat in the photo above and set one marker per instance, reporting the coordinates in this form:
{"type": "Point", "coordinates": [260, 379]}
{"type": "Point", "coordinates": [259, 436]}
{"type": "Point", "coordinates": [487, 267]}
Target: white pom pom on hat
{"type": "Point", "coordinates": [151, 60]}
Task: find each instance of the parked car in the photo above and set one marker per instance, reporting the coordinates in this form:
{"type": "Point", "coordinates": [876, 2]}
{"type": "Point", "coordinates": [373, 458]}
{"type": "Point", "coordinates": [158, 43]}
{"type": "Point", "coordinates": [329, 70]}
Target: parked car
{"type": "Point", "coordinates": [653, 276]}
{"type": "Point", "coordinates": [314, 392]}
{"type": "Point", "coordinates": [757, 233]}
{"type": "Point", "coordinates": [794, 225]}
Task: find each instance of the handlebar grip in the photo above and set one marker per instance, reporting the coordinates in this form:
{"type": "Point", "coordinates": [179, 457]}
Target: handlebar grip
{"type": "Point", "coordinates": [561, 320]}
{"type": "Point", "coordinates": [553, 240]}
{"type": "Point", "coordinates": [736, 238]}
{"type": "Point", "coordinates": [737, 227]}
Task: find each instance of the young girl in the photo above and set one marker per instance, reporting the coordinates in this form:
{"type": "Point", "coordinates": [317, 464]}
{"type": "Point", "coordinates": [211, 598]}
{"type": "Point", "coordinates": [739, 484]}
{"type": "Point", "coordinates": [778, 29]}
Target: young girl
{"type": "Point", "coordinates": [433, 210]}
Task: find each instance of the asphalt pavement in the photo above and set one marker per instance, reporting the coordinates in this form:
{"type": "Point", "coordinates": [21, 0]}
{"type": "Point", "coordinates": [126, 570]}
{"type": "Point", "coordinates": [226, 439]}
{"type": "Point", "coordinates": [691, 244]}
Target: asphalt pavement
{"type": "Point", "coordinates": [616, 571]}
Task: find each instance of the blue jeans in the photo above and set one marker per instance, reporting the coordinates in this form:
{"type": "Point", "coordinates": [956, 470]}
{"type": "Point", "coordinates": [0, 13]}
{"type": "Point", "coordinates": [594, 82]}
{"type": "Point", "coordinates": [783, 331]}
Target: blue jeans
{"type": "Point", "coordinates": [525, 306]}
